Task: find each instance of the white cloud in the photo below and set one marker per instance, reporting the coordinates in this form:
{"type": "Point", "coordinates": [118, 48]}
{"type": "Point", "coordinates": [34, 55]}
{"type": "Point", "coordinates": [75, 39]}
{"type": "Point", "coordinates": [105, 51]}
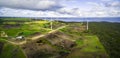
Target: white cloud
{"type": "Point", "coordinates": [30, 13]}
{"type": "Point", "coordinates": [65, 12]}
{"type": "Point", "coordinates": [113, 4]}
{"type": "Point", "coordinates": [107, 9]}
{"type": "Point", "coordinates": [106, 0]}
{"type": "Point", "coordinates": [71, 11]}
{"type": "Point", "coordinates": [31, 4]}
{"type": "Point", "coordinates": [110, 9]}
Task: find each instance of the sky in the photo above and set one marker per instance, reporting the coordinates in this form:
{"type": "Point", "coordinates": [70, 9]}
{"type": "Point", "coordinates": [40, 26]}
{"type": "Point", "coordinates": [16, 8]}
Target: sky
{"type": "Point", "coordinates": [59, 8]}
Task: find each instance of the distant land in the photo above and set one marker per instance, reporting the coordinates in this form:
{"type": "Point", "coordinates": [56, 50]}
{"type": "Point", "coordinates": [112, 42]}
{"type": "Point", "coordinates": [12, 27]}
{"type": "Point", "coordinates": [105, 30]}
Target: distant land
{"type": "Point", "coordinates": [77, 19]}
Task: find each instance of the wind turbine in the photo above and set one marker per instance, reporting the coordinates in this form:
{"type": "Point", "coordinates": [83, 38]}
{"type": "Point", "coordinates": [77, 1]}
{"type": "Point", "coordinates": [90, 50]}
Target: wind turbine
{"type": "Point", "coordinates": [51, 23]}
{"type": "Point", "coordinates": [87, 25]}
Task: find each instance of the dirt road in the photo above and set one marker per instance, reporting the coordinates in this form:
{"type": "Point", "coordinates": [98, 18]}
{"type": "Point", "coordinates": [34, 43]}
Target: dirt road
{"type": "Point", "coordinates": [37, 37]}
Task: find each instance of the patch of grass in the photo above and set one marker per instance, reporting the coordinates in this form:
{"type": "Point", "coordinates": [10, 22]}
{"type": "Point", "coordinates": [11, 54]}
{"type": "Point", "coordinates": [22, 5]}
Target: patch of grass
{"type": "Point", "coordinates": [92, 44]}
{"type": "Point", "coordinates": [28, 27]}
{"type": "Point", "coordinates": [12, 32]}
{"type": "Point", "coordinates": [15, 19]}
{"type": "Point", "coordinates": [11, 51]}
{"type": "Point", "coordinates": [79, 42]}
{"type": "Point", "coordinates": [88, 47]}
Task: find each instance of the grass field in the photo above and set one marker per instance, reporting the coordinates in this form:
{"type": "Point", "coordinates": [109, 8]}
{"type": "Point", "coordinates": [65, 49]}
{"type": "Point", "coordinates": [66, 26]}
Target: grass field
{"type": "Point", "coordinates": [72, 41]}
{"type": "Point", "coordinates": [87, 44]}
{"type": "Point", "coordinates": [13, 27]}
{"type": "Point", "coordinates": [11, 51]}
{"type": "Point", "coordinates": [89, 47]}
{"type": "Point", "coordinates": [93, 44]}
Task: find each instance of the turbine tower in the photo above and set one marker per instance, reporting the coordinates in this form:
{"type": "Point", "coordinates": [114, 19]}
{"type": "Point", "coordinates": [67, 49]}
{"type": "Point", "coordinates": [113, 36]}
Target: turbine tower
{"type": "Point", "coordinates": [51, 24]}
{"type": "Point", "coordinates": [87, 25]}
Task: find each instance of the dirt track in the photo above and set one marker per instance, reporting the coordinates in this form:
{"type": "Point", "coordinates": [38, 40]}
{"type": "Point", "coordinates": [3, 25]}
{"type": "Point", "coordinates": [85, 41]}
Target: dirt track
{"type": "Point", "coordinates": [37, 37]}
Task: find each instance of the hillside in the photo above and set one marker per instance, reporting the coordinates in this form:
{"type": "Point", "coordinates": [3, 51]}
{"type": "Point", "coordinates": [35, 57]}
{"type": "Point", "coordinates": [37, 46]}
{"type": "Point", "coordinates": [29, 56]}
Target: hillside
{"type": "Point", "coordinates": [8, 50]}
{"type": "Point", "coordinates": [109, 35]}
{"type": "Point", "coordinates": [65, 40]}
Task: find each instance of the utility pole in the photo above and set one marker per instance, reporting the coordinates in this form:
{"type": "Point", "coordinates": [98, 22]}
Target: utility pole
{"type": "Point", "coordinates": [87, 25]}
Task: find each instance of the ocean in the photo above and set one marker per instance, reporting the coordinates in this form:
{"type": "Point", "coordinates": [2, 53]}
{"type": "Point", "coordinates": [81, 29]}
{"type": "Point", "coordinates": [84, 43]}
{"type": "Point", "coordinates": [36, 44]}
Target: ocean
{"type": "Point", "coordinates": [105, 19]}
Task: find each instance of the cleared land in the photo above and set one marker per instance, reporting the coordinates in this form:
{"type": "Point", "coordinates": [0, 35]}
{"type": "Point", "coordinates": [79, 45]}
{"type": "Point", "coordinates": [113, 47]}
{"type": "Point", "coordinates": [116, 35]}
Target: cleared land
{"type": "Point", "coordinates": [88, 47]}
{"type": "Point", "coordinates": [66, 40]}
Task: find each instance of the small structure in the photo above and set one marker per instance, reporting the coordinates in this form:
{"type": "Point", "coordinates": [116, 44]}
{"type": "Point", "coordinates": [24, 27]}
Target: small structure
{"type": "Point", "coordinates": [20, 37]}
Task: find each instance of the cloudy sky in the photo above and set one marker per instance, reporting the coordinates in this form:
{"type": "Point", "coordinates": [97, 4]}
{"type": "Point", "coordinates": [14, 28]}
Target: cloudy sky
{"type": "Point", "coordinates": [60, 8]}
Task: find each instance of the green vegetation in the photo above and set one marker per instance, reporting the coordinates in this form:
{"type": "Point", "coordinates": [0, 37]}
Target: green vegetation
{"type": "Point", "coordinates": [15, 19]}
{"type": "Point", "coordinates": [26, 26]}
{"type": "Point", "coordinates": [79, 43]}
{"type": "Point", "coordinates": [89, 47]}
{"type": "Point", "coordinates": [93, 44]}
{"type": "Point", "coordinates": [11, 51]}
{"type": "Point", "coordinates": [87, 44]}
{"type": "Point", "coordinates": [109, 35]}
{"type": "Point", "coordinates": [15, 26]}
{"type": "Point", "coordinates": [72, 41]}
